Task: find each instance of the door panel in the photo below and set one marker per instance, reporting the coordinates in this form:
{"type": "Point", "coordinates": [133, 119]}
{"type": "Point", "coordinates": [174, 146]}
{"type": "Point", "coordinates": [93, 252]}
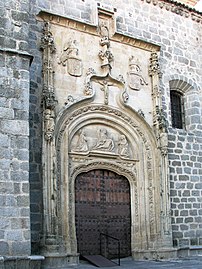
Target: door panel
{"type": "Point", "coordinates": [102, 205]}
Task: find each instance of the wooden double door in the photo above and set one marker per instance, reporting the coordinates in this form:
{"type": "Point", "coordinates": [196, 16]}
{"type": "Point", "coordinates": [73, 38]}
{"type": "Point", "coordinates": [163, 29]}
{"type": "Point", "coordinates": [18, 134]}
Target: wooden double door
{"type": "Point", "coordinates": [102, 205]}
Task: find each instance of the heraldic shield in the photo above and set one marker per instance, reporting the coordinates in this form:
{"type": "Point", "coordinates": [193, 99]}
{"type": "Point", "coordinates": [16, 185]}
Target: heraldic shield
{"type": "Point", "coordinates": [74, 66]}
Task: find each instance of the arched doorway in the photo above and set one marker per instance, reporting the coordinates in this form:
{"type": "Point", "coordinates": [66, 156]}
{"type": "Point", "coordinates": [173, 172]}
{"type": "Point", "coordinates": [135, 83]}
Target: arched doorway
{"type": "Point", "coordinates": [102, 205]}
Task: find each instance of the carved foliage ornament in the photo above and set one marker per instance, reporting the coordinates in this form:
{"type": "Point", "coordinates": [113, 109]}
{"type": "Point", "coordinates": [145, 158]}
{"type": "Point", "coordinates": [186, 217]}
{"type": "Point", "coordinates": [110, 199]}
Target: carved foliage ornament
{"type": "Point", "coordinates": [154, 68]}
{"type": "Point", "coordinates": [47, 38]}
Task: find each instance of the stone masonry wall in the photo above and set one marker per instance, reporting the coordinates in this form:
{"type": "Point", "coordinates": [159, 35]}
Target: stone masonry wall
{"type": "Point", "coordinates": [178, 31]}
{"type": "Point", "coordinates": [14, 130]}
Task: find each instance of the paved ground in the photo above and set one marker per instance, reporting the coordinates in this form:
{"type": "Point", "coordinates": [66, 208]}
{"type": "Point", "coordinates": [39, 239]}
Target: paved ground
{"type": "Point", "coordinates": [128, 263]}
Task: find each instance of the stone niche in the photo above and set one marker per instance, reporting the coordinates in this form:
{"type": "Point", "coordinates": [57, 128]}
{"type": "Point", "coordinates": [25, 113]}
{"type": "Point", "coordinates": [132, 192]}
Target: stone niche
{"type": "Point", "coordinates": [102, 110]}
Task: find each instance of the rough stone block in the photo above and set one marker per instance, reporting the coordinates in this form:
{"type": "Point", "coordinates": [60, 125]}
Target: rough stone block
{"type": "Point", "coordinates": [15, 127]}
{"type": "Point", "coordinates": [4, 247]}
{"type": "Point", "coordinates": [21, 248]}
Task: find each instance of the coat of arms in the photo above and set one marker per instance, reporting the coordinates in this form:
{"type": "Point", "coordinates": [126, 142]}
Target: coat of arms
{"type": "Point", "coordinates": [70, 58]}
{"type": "Point", "coordinates": [135, 79]}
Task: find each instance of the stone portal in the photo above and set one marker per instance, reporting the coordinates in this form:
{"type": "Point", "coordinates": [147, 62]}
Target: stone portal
{"type": "Point", "coordinates": [102, 112]}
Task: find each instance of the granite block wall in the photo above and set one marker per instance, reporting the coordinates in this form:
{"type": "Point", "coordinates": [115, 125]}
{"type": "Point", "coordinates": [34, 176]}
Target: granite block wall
{"type": "Point", "coordinates": [14, 129]}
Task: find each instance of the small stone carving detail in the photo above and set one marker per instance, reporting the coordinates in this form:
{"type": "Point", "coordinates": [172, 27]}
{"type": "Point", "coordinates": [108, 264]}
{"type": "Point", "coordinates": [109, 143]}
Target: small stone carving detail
{"type": "Point", "coordinates": [70, 99]}
{"type": "Point", "coordinates": [88, 90]}
{"type": "Point", "coordinates": [82, 143]}
{"type": "Point", "coordinates": [154, 68]}
{"type": "Point", "coordinates": [123, 148]}
{"type": "Point", "coordinates": [47, 40]}
{"type": "Point", "coordinates": [161, 119]}
{"type": "Point", "coordinates": [49, 123]}
{"type": "Point", "coordinates": [105, 88]}
{"type": "Point", "coordinates": [164, 144]}
{"type": "Point", "coordinates": [136, 80]}
{"type": "Point", "coordinates": [104, 33]}
{"type": "Point", "coordinates": [106, 57]}
{"type": "Point", "coordinates": [104, 143]}
{"type": "Point", "coordinates": [141, 113]}
{"type": "Point", "coordinates": [70, 57]}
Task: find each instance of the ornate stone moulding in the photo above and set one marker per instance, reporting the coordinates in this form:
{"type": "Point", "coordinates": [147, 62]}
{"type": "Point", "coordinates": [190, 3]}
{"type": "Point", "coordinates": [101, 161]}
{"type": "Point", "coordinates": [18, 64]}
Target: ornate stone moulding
{"type": "Point", "coordinates": [92, 29]}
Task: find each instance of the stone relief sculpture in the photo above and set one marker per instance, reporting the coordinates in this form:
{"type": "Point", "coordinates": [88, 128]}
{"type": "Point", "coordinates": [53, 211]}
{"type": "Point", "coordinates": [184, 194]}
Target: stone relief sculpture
{"type": "Point", "coordinates": [105, 88]}
{"type": "Point", "coordinates": [49, 123]}
{"type": "Point", "coordinates": [105, 55]}
{"type": "Point", "coordinates": [82, 143]}
{"type": "Point", "coordinates": [88, 90]}
{"type": "Point", "coordinates": [123, 147]}
{"type": "Point", "coordinates": [70, 58]}
{"type": "Point", "coordinates": [136, 80]}
{"type": "Point", "coordinates": [107, 141]}
{"type": "Point", "coordinates": [104, 33]}
{"type": "Point", "coordinates": [104, 143]}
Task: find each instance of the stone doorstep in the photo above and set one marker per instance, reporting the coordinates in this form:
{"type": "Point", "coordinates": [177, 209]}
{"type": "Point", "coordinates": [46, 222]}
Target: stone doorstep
{"type": "Point", "coordinates": [25, 262]}
{"type": "Point", "coordinates": [155, 254]}
{"type": "Point", "coordinates": [61, 261]}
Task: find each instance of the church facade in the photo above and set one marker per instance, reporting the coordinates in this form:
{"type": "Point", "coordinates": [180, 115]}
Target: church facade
{"type": "Point", "coordinates": [101, 132]}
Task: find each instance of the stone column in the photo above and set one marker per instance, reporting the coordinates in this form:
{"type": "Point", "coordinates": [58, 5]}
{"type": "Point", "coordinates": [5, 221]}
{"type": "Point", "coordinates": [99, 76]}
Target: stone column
{"type": "Point", "coordinates": [15, 239]}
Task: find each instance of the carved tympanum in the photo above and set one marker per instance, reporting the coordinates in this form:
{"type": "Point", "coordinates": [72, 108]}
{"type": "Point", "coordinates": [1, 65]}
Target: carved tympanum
{"type": "Point", "coordinates": [88, 140]}
{"type": "Point", "coordinates": [104, 142]}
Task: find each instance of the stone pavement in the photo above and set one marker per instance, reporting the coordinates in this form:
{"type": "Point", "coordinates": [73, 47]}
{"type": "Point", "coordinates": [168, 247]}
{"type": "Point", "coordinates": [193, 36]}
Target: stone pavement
{"type": "Point", "coordinates": [128, 263]}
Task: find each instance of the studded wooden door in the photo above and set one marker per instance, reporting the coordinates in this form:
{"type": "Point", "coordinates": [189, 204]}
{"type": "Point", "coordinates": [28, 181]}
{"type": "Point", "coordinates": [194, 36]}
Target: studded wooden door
{"type": "Point", "coordinates": [102, 206]}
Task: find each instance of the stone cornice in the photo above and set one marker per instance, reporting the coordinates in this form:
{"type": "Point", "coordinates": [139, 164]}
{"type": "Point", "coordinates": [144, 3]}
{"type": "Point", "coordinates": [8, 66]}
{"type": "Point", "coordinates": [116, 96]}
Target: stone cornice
{"type": "Point", "coordinates": [17, 52]}
{"type": "Point", "coordinates": [178, 8]}
{"type": "Point", "coordinates": [92, 29]}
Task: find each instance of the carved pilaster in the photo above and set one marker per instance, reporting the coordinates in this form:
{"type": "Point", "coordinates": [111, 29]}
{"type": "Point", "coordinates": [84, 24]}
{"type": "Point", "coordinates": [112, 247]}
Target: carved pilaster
{"type": "Point", "coordinates": [49, 103]}
{"type": "Point", "coordinates": [160, 128]}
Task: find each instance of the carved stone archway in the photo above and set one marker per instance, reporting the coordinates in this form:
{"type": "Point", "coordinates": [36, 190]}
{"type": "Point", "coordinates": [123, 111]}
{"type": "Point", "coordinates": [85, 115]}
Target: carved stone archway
{"type": "Point", "coordinates": [150, 226]}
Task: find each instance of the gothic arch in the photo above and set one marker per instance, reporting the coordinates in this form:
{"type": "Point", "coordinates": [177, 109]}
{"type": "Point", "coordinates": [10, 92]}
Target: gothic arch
{"type": "Point", "coordinates": [140, 168]}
